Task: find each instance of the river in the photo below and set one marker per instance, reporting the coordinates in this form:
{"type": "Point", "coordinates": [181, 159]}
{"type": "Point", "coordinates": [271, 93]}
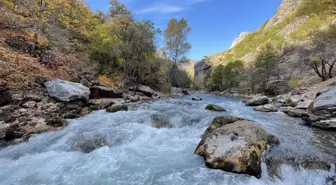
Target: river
{"type": "Point", "coordinates": [139, 154]}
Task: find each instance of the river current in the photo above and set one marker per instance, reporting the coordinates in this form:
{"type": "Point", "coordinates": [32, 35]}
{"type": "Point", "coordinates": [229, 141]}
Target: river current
{"type": "Point", "coordinates": [139, 154]}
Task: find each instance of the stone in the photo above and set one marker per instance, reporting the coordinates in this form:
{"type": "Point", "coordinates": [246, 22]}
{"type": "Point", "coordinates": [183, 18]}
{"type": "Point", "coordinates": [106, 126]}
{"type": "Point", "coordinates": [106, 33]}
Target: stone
{"type": "Point", "coordinates": [294, 112]}
{"type": "Point", "coordinates": [104, 92]}
{"type": "Point", "coordinates": [37, 129]}
{"type": "Point", "coordinates": [146, 90]}
{"type": "Point", "coordinates": [329, 124]}
{"type": "Point", "coordinates": [185, 92]}
{"type": "Point", "coordinates": [29, 104]}
{"type": "Point", "coordinates": [197, 98]}
{"type": "Point", "coordinates": [160, 121]}
{"type": "Point", "coordinates": [213, 107]}
{"type": "Point", "coordinates": [3, 130]}
{"type": "Point", "coordinates": [89, 144]}
{"type": "Point", "coordinates": [293, 100]}
{"type": "Point", "coordinates": [235, 145]}
{"type": "Point", "coordinates": [325, 102]}
{"type": "Point", "coordinates": [56, 122]}
{"type": "Point", "coordinates": [5, 96]}
{"type": "Point", "coordinates": [66, 91]}
{"type": "Point", "coordinates": [305, 104]}
{"type": "Point", "coordinates": [266, 108]}
{"type": "Point", "coordinates": [257, 100]}
{"type": "Point", "coordinates": [117, 108]}
{"type": "Point", "coordinates": [97, 104]}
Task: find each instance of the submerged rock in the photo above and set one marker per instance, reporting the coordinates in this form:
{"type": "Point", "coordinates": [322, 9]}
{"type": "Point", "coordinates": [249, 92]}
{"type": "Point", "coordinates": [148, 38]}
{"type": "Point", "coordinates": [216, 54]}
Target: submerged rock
{"type": "Point", "coordinates": [160, 121]}
{"type": "Point", "coordinates": [234, 145]}
{"type": "Point", "coordinates": [117, 108]}
{"type": "Point", "coordinates": [266, 108]}
{"type": "Point", "coordinates": [90, 144]}
{"type": "Point", "coordinates": [214, 107]}
{"type": "Point", "coordinates": [184, 103]}
{"type": "Point", "coordinates": [67, 91]}
{"type": "Point", "coordinates": [257, 100]}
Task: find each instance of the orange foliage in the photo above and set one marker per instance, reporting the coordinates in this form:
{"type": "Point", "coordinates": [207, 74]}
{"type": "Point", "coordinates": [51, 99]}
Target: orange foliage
{"type": "Point", "coordinates": [106, 81]}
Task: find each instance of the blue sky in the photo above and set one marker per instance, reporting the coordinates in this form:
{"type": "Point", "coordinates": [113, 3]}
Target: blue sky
{"type": "Point", "coordinates": [215, 23]}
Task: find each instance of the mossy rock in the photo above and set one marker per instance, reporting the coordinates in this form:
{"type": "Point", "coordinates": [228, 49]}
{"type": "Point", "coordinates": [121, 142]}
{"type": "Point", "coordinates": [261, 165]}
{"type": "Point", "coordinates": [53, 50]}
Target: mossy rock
{"type": "Point", "coordinates": [214, 107]}
{"type": "Point", "coordinates": [116, 108]}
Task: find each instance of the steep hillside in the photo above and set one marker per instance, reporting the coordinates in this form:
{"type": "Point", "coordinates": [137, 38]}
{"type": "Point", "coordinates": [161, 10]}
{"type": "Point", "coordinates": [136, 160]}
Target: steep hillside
{"type": "Point", "coordinates": [292, 24]}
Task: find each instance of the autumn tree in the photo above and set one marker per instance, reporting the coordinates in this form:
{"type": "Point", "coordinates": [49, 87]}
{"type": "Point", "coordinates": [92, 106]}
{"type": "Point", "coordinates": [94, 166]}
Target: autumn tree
{"type": "Point", "coordinates": [176, 42]}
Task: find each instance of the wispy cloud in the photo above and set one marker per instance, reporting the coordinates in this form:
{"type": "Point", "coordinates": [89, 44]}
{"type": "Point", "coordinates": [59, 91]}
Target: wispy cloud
{"type": "Point", "coordinates": [161, 9]}
{"type": "Point", "coordinates": [170, 6]}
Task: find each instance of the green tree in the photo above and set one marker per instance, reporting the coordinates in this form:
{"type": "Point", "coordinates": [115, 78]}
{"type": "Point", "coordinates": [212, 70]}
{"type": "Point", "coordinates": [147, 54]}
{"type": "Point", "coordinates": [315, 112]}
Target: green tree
{"type": "Point", "coordinates": [266, 66]}
{"type": "Point", "coordinates": [217, 77]}
{"type": "Point", "coordinates": [232, 73]}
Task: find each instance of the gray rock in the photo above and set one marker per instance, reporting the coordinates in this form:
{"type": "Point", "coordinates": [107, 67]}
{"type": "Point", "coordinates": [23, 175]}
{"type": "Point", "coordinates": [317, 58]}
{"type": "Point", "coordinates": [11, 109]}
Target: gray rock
{"type": "Point", "coordinates": [104, 92]}
{"type": "Point", "coordinates": [329, 124]}
{"type": "Point", "coordinates": [305, 104]}
{"type": "Point", "coordinates": [294, 112]}
{"type": "Point", "coordinates": [29, 104]}
{"type": "Point", "coordinates": [67, 91]}
{"type": "Point", "coordinates": [325, 102]}
{"type": "Point", "coordinates": [160, 121]}
{"type": "Point", "coordinates": [293, 100]}
{"type": "Point", "coordinates": [257, 100]}
{"type": "Point", "coordinates": [234, 145]}
{"type": "Point", "coordinates": [197, 98]}
{"type": "Point", "coordinates": [146, 90]}
{"type": "Point", "coordinates": [213, 107]}
{"type": "Point", "coordinates": [266, 108]}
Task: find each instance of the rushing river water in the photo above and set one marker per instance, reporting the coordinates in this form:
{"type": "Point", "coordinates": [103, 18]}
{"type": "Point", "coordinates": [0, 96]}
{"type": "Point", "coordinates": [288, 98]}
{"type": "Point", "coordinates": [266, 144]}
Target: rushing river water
{"type": "Point", "coordinates": [140, 154]}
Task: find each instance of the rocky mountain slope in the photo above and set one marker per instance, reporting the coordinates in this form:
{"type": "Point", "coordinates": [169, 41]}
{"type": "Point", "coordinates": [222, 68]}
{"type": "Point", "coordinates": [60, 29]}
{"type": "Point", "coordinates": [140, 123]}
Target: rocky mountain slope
{"type": "Point", "coordinates": [292, 23]}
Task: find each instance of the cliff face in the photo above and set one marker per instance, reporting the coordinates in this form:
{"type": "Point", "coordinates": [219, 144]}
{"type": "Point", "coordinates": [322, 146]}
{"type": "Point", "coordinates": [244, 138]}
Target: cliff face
{"type": "Point", "coordinates": [292, 23]}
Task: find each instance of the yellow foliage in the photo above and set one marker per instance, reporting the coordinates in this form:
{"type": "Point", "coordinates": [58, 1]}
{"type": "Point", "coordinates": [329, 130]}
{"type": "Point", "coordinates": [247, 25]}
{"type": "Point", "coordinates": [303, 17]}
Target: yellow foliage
{"type": "Point", "coordinates": [106, 81]}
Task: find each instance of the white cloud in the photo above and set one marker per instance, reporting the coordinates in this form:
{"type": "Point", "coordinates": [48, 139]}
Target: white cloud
{"type": "Point", "coordinates": [162, 9]}
{"type": "Point", "coordinates": [171, 6]}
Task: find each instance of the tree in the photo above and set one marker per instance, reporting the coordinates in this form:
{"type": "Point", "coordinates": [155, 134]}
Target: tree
{"type": "Point", "coordinates": [217, 77]}
{"type": "Point", "coordinates": [266, 66]}
{"type": "Point", "coordinates": [176, 42]}
{"type": "Point", "coordinates": [322, 57]}
{"type": "Point", "coordinates": [231, 74]}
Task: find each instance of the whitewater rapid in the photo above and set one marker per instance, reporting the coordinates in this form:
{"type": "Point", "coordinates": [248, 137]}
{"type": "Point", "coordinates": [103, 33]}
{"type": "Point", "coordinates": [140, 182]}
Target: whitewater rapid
{"type": "Point", "coordinates": [139, 154]}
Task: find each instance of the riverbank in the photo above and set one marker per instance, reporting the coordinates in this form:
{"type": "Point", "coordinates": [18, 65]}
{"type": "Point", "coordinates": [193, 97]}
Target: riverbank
{"type": "Point", "coordinates": [49, 107]}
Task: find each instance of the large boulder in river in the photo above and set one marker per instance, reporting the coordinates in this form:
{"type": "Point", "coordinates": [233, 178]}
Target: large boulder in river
{"type": "Point", "coordinates": [325, 102]}
{"type": "Point", "coordinates": [104, 92]}
{"type": "Point", "coordinates": [257, 100]}
{"type": "Point", "coordinates": [5, 96]}
{"type": "Point", "coordinates": [214, 107]}
{"type": "Point", "coordinates": [160, 121]}
{"type": "Point", "coordinates": [67, 91]}
{"type": "Point", "coordinates": [234, 145]}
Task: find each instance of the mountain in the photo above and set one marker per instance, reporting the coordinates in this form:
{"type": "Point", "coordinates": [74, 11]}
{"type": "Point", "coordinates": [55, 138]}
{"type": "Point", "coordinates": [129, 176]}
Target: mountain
{"type": "Point", "coordinates": [292, 24]}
